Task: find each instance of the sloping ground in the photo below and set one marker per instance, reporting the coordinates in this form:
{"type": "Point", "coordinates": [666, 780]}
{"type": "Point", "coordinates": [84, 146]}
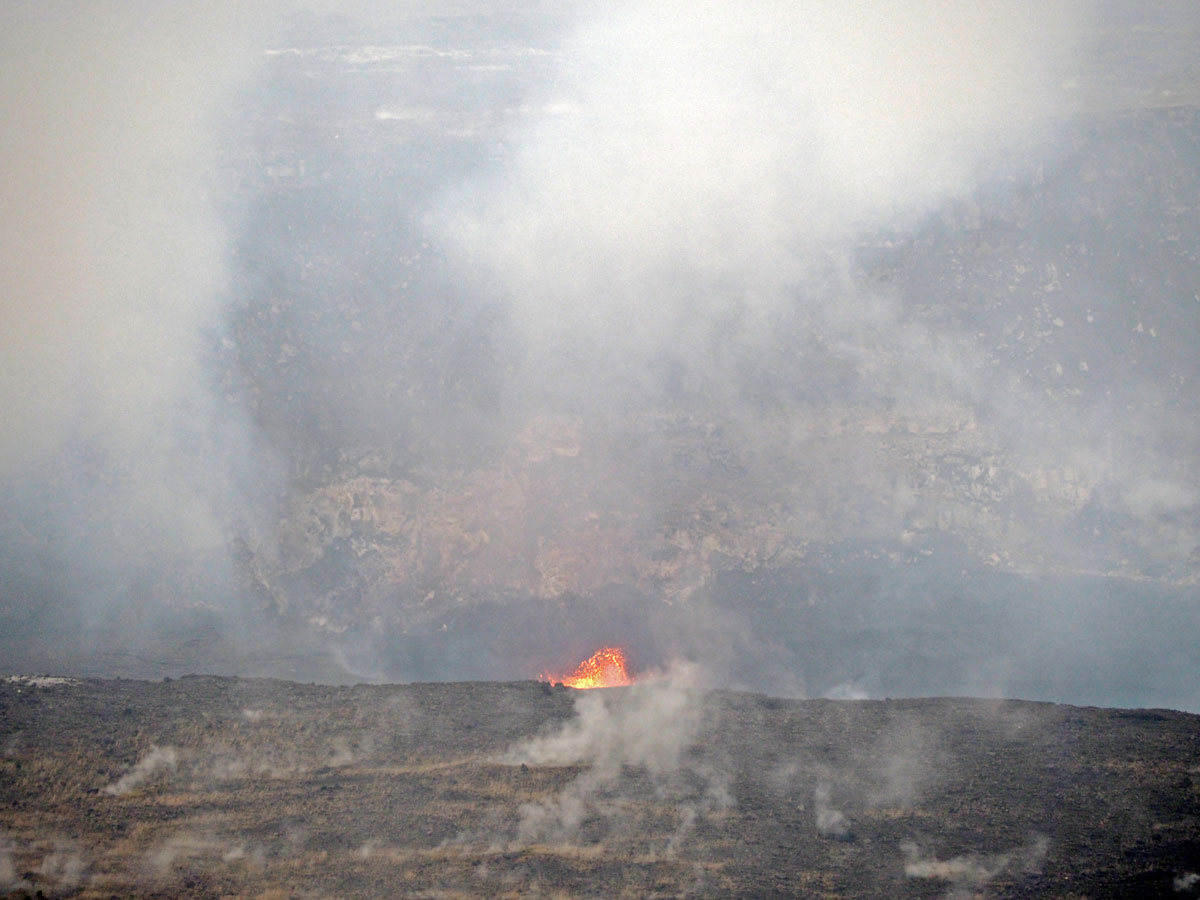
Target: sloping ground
{"type": "Point", "coordinates": [221, 787]}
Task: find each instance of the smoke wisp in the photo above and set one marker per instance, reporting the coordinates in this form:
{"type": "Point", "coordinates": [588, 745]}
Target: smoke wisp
{"type": "Point", "coordinates": [648, 728]}
{"type": "Point", "coordinates": [158, 761]}
{"type": "Point", "coordinates": [967, 875]}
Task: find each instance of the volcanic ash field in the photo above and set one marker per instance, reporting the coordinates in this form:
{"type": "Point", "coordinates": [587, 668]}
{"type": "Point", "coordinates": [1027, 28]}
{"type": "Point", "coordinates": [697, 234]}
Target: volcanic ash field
{"type": "Point", "coordinates": [223, 787]}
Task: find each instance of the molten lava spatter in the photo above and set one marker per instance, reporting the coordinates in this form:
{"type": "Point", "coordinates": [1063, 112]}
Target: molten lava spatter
{"type": "Point", "coordinates": [604, 668]}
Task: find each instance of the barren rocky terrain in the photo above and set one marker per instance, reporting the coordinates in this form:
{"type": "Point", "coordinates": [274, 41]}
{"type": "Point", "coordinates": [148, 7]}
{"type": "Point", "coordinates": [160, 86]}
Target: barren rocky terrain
{"type": "Point", "coordinates": [225, 787]}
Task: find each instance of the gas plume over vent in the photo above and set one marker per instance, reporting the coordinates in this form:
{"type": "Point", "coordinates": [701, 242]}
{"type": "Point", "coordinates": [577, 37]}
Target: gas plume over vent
{"type": "Point", "coordinates": [829, 344]}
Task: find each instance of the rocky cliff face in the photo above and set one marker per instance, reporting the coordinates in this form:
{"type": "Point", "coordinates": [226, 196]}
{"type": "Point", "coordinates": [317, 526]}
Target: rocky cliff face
{"type": "Point", "coordinates": [558, 515]}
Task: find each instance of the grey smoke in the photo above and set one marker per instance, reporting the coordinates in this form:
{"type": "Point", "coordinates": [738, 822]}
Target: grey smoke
{"type": "Point", "coordinates": [181, 849]}
{"type": "Point", "coordinates": [715, 156]}
{"type": "Point", "coordinates": [648, 727]}
{"type": "Point", "coordinates": [9, 881]}
{"type": "Point", "coordinates": [263, 300]}
{"type": "Point", "coordinates": [119, 461]}
{"type": "Point", "coordinates": [1186, 881]}
{"type": "Point", "coordinates": [62, 863]}
{"type": "Point", "coordinates": [904, 763]}
{"type": "Point", "coordinates": [157, 761]}
{"type": "Point", "coordinates": [65, 865]}
{"type": "Point", "coordinates": [969, 873]}
{"type": "Point", "coordinates": [830, 821]}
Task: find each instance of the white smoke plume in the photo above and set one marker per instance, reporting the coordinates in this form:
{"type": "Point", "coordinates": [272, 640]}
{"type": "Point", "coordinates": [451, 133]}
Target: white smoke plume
{"type": "Point", "coordinates": [1186, 881]}
{"type": "Point", "coordinates": [715, 155]}
{"type": "Point", "coordinates": [62, 865]}
{"type": "Point", "coordinates": [830, 821]}
{"type": "Point", "coordinates": [180, 849]}
{"type": "Point", "coordinates": [115, 253]}
{"type": "Point", "coordinates": [8, 868]}
{"type": "Point", "coordinates": [667, 214]}
{"type": "Point", "coordinates": [123, 458]}
{"type": "Point", "coordinates": [157, 761]}
{"type": "Point", "coordinates": [649, 727]}
{"type": "Point", "coordinates": [904, 763]}
{"type": "Point", "coordinates": [114, 257]}
{"type": "Point", "coordinates": [119, 458]}
{"type": "Point", "coordinates": [967, 874]}
{"type": "Point", "coordinates": [65, 865]}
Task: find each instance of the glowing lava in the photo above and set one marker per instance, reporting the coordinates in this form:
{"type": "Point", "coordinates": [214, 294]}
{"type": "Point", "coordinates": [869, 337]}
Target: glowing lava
{"type": "Point", "coordinates": [604, 668]}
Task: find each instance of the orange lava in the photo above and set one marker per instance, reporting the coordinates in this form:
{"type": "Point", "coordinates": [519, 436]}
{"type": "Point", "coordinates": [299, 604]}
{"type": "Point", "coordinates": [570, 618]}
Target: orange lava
{"type": "Point", "coordinates": [604, 668]}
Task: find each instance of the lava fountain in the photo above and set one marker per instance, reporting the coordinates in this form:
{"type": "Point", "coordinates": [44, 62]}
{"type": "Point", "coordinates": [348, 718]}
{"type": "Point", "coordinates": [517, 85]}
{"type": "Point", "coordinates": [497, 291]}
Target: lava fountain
{"type": "Point", "coordinates": [607, 667]}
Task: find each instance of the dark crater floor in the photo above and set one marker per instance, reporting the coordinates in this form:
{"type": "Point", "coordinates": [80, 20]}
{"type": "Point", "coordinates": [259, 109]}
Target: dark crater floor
{"type": "Point", "coordinates": [224, 787]}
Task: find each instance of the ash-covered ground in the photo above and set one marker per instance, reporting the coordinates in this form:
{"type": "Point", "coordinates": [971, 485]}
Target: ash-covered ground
{"type": "Point", "coordinates": [225, 787]}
